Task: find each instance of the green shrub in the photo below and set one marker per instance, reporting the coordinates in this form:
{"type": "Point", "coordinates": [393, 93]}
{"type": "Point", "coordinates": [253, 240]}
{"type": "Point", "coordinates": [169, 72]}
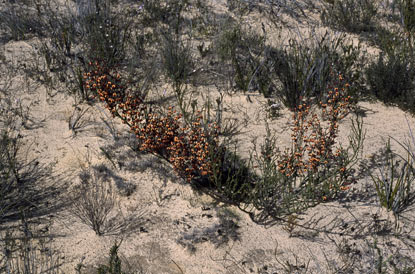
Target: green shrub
{"type": "Point", "coordinates": [391, 77]}
{"type": "Point", "coordinates": [9, 198]}
{"type": "Point", "coordinates": [390, 80]}
{"type": "Point", "coordinates": [175, 43]}
{"type": "Point", "coordinates": [20, 178]}
{"type": "Point", "coordinates": [176, 59]}
{"type": "Point", "coordinates": [23, 20]}
{"type": "Point", "coordinates": [307, 68]}
{"type": "Point", "coordinates": [243, 51]}
{"type": "Point", "coordinates": [407, 12]}
{"type": "Point", "coordinates": [350, 15]}
{"type": "Point", "coordinates": [310, 171]}
{"type": "Point", "coordinates": [106, 34]}
{"type": "Point", "coordinates": [395, 185]}
{"type": "Point", "coordinates": [93, 30]}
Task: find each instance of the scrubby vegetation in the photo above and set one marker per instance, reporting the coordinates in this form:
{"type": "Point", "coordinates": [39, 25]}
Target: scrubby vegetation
{"type": "Point", "coordinates": [152, 66]}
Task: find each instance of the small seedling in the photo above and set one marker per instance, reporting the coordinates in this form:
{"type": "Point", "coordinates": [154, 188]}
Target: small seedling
{"type": "Point", "coordinates": [76, 122]}
{"type": "Point", "coordinates": [114, 264]}
{"type": "Point", "coordinates": [395, 185]}
{"type": "Point", "coordinates": [291, 224]}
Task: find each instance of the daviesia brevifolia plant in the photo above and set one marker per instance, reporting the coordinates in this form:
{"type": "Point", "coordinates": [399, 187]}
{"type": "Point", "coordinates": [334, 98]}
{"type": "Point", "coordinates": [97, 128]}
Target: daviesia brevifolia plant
{"type": "Point", "coordinates": [313, 154]}
{"type": "Point", "coordinates": [187, 146]}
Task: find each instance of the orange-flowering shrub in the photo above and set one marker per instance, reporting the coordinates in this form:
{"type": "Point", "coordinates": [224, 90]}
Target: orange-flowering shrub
{"type": "Point", "coordinates": [187, 148]}
{"type": "Point", "coordinates": [191, 150]}
{"type": "Point", "coordinates": [313, 138]}
{"type": "Point", "coordinates": [107, 85]}
{"type": "Point", "coordinates": [314, 168]}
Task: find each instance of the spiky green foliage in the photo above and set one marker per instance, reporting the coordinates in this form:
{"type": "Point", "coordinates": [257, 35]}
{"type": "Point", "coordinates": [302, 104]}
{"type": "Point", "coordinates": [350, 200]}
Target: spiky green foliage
{"type": "Point", "coordinates": [114, 263]}
{"type": "Point", "coordinates": [350, 15]}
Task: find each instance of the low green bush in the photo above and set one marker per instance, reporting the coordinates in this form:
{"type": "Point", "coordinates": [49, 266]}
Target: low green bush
{"type": "Point", "coordinates": [350, 15]}
{"type": "Point", "coordinates": [306, 68]}
{"type": "Point", "coordinates": [22, 21]}
{"type": "Point", "coordinates": [244, 51]}
{"type": "Point", "coordinates": [176, 59]}
{"type": "Point", "coordinates": [310, 171]}
{"type": "Point", "coordinates": [114, 264]}
{"type": "Point", "coordinates": [9, 197]}
{"type": "Point", "coordinates": [391, 77]}
{"type": "Point", "coordinates": [232, 179]}
{"type": "Point", "coordinates": [407, 12]}
{"type": "Point", "coordinates": [395, 185]}
{"type": "Point", "coordinates": [20, 178]}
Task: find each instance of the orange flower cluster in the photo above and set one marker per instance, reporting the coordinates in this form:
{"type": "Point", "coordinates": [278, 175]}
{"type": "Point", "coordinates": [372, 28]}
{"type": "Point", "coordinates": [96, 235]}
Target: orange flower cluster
{"type": "Point", "coordinates": [110, 90]}
{"type": "Point", "coordinates": [187, 148]}
{"type": "Point", "coordinates": [312, 143]}
{"type": "Point", "coordinates": [190, 153]}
